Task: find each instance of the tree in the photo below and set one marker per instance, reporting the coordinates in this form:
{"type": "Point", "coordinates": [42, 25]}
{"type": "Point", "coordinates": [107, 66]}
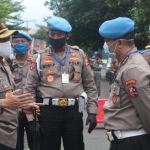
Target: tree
{"type": "Point", "coordinates": [10, 12]}
{"type": "Point", "coordinates": [141, 16]}
{"type": "Point", "coordinates": [41, 34]}
{"type": "Point", "coordinates": [86, 16]}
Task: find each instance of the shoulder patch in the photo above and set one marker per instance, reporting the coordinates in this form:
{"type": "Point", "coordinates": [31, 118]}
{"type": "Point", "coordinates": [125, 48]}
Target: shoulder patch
{"type": "Point", "coordinates": [133, 91]}
{"type": "Point", "coordinates": [74, 47]}
{"type": "Point", "coordinates": [131, 81]}
{"type": "Point", "coordinates": [32, 64]}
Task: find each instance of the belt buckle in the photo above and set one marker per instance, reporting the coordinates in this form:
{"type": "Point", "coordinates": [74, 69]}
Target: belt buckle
{"type": "Point", "coordinates": [109, 136]}
{"type": "Point", "coordinates": [62, 102]}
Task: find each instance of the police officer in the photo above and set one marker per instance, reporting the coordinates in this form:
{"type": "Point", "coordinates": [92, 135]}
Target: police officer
{"type": "Point", "coordinates": [127, 118]}
{"type": "Point", "coordinates": [9, 98]}
{"type": "Point", "coordinates": [63, 76]}
{"type": "Point", "coordinates": [21, 43]}
{"type": "Point", "coordinates": [97, 65]}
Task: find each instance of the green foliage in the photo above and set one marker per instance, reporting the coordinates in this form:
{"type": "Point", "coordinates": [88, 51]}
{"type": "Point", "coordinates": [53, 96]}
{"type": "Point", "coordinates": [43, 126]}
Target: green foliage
{"type": "Point", "coordinates": [86, 16]}
{"type": "Point", "coordinates": [41, 34]}
{"type": "Point", "coordinates": [10, 12]}
{"type": "Point", "coordinates": [141, 16]}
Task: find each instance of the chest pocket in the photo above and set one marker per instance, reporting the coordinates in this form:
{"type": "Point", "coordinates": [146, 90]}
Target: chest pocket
{"type": "Point", "coordinates": [4, 88]}
{"type": "Point", "coordinates": [75, 73]}
{"type": "Point", "coordinates": [49, 74]}
{"type": "Point", "coordinates": [114, 98]}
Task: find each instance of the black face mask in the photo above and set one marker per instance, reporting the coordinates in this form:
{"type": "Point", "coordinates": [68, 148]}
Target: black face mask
{"type": "Point", "coordinates": [57, 43]}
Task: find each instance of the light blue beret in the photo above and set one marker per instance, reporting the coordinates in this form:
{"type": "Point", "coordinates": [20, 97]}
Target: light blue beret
{"type": "Point", "coordinates": [116, 28]}
{"type": "Point", "coordinates": [60, 24]}
{"type": "Point", "coordinates": [22, 34]}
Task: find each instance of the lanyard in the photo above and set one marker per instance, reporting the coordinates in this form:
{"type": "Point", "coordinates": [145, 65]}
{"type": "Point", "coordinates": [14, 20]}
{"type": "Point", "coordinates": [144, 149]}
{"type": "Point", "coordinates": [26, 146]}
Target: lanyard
{"type": "Point", "coordinates": [59, 61]}
{"type": "Point", "coordinates": [122, 63]}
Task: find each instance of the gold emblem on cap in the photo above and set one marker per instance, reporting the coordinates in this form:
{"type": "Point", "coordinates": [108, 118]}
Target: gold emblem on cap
{"type": "Point", "coordinates": [2, 25]}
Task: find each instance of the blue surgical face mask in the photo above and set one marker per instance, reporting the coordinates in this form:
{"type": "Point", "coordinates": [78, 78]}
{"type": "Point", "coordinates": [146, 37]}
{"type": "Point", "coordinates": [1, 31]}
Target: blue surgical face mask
{"type": "Point", "coordinates": [107, 52]}
{"type": "Point", "coordinates": [21, 48]}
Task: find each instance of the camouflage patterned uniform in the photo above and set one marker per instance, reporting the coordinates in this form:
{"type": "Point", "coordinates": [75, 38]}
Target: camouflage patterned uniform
{"type": "Point", "coordinates": [97, 64]}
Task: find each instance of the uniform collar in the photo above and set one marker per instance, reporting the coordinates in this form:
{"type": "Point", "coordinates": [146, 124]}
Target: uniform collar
{"type": "Point", "coordinates": [15, 61]}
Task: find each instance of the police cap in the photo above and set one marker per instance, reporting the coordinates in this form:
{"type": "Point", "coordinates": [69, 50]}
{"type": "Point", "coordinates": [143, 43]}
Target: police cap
{"type": "Point", "coordinates": [22, 34]}
{"type": "Point", "coordinates": [116, 28]}
{"type": "Point", "coordinates": [59, 24]}
{"type": "Point", "coordinates": [4, 32]}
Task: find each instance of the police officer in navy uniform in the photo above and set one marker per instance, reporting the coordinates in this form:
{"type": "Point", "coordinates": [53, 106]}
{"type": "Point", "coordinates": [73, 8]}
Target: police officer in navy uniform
{"type": "Point", "coordinates": [63, 76]}
{"type": "Point", "coordinates": [127, 112]}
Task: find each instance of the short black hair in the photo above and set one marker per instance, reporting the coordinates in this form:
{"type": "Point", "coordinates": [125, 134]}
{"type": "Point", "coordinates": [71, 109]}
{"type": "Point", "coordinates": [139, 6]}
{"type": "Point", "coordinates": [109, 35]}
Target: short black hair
{"type": "Point", "coordinates": [128, 37]}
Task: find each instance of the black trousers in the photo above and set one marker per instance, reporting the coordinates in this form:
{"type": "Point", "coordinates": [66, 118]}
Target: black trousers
{"type": "Point", "coordinates": [141, 142]}
{"type": "Point", "coordinates": [61, 122]}
{"type": "Point", "coordinates": [23, 123]}
{"type": "Point", "coordinates": [3, 147]}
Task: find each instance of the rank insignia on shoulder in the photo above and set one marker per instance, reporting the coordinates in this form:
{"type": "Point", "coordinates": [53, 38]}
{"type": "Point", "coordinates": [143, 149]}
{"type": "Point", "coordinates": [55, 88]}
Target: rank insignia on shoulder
{"type": "Point", "coordinates": [29, 57]}
{"type": "Point", "coordinates": [124, 61]}
{"type": "Point", "coordinates": [50, 78]}
{"type": "Point", "coordinates": [32, 64]}
{"type": "Point", "coordinates": [133, 91]}
{"type": "Point", "coordinates": [6, 63]}
{"type": "Point", "coordinates": [131, 81]}
{"type": "Point", "coordinates": [5, 86]}
{"type": "Point", "coordinates": [114, 99]}
{"type": "Point", "coordinates": [86, 62]}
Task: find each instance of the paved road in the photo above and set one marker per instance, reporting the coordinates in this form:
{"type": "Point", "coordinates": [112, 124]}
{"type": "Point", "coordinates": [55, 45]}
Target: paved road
{"type": "Point", "coordinates": [97, 139]}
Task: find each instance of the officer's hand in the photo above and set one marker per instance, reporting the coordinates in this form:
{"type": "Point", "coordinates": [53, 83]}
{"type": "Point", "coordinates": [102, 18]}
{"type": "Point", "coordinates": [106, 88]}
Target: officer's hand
{"type": "Point", "coordinates": [30, 107]}
{"type": "Point", "coordinates": [91, 120]}
{"type": "Point", "coordinates": [14, 101]}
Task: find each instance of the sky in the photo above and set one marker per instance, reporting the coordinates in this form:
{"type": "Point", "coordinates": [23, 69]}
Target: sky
{"type": "Point", "coordinates": [34, 13]}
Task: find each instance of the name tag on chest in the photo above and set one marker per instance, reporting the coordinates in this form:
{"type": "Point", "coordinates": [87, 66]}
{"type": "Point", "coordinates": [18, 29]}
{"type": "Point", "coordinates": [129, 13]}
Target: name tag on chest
{"type": "Point", "coordinates": [65, 78]}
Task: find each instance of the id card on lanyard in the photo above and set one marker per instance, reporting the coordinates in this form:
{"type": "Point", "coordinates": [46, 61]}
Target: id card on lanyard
{"type": "Point", "coordinates": [65, 77]}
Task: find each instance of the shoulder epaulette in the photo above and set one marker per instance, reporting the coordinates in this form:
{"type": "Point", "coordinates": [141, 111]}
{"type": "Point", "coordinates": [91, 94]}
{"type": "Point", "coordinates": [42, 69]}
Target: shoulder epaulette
{"type": "Point", "coordinates": [6, 63]}
{"type": "Point", "coordinates": [74, 47]}
{"type": "Point", "coordinates": [143, 52]}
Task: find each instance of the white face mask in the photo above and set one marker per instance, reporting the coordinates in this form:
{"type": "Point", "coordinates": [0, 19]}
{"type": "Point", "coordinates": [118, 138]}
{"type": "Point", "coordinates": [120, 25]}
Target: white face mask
{"type": "Point", "coordinates": [115, 46]}
{"type": "Point", "coordinates": [5, 49]}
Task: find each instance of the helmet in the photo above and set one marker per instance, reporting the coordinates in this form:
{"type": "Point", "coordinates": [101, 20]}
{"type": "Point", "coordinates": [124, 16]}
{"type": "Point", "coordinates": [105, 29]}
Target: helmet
{"type": "Point", "coordinates": [96, 53]}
